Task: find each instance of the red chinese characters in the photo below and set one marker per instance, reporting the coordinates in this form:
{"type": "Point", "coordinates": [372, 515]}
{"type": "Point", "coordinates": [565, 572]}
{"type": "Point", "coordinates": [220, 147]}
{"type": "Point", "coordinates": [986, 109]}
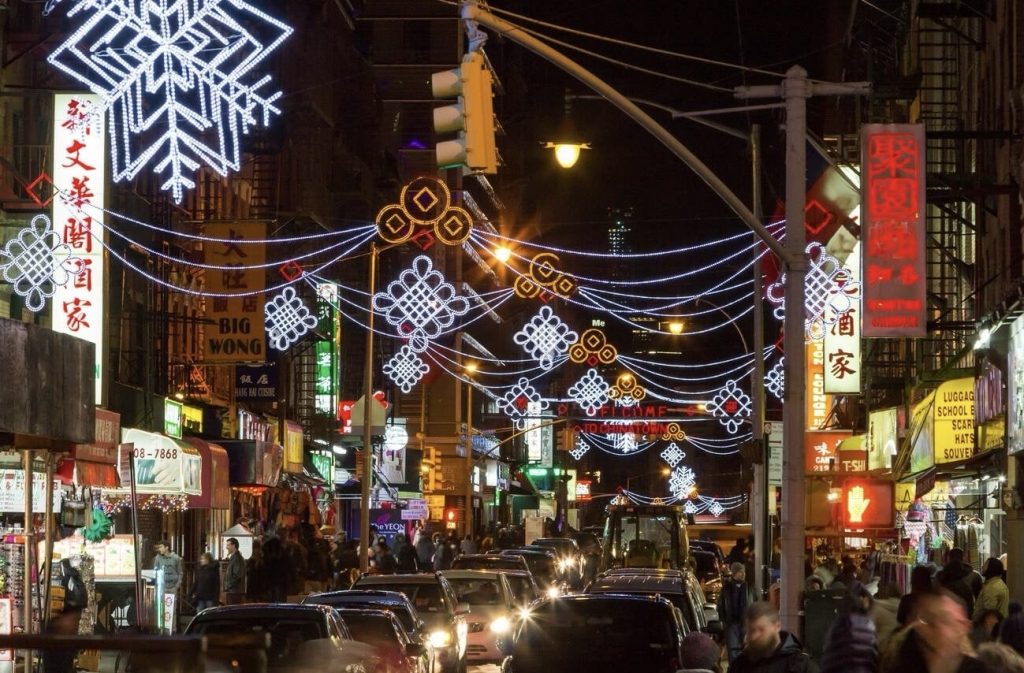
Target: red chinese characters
{"type": "Point", "coordinates": [893, 230]}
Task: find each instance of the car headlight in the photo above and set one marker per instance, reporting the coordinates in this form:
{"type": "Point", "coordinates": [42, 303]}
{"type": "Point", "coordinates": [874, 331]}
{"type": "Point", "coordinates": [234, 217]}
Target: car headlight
{"type": "Point", "coordinates": [553, 592]}
{"type": "Point", "coordinates": [440, 638]}
{"type": "Point", "coordinates": [565, 564]}
{"type": "Point", "coordinates": [501, 625]}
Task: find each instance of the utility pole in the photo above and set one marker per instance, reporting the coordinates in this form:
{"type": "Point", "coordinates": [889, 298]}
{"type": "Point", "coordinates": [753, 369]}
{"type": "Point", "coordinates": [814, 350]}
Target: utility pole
{"type": "Point", "coordinates": [367, 480]}
{"type": "Point", "coordinates": [758, 500]}
{"type": "Point", "coordinates": [469, 458]}
{"type": "Point", "coordinates": [795, 89]}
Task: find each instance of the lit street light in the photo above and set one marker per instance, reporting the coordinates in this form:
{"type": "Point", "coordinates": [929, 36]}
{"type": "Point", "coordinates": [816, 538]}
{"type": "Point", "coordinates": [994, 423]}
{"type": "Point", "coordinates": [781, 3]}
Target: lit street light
{"type": "Point", "coordinates": [567, 153]}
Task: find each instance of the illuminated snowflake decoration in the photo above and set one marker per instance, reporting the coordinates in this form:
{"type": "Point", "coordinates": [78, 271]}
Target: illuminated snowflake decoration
{"type": "Point", "coordinates": [590, 392]}
{"type": "Point", "coordinates": [681, 481]}
{"type": "Point", "coordinates": [625, 442]}
{"type": "Point", "coordinates": [287, 319]}
{"type": "Point", "coordinates": [178, 80]}
{"type": "Point", "coordinates": [716, 508]}
{"type": "Point", "coordinates": [731, 406]}
{"type": "Point", "coordinates": [689, 507]}
{"type": "Point", "coordinates": [673, 454]}
{"type": "Point", "coordinates": [775, 379]}
{"type": "Point", "coordinates": [516, 401]}
{"type": "Point", "coordinates": [545, 337]}
{"type": "Point", "coordinates": [36, 262]}
{"type": "Point", "coordinates": [829, 292]}
{"type": "Point", "coordinates": [580, 450]}
{"type": "Point", "coordinates": [421, 304]}
{"type": "Point", "coordinates": [406, 368]}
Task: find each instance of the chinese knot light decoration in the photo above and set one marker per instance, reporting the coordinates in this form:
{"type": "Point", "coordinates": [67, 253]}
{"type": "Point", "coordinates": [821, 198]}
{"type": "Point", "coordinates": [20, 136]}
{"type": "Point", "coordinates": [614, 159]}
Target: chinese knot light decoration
{"type": "Point", "coordinates": [287, 319]}
{"type": "Point", "coordinates": [673, 432]}
{"type": "Point", "coordinates": [828, 292]}
{"type": "Point", "coordinates": [672, 454]}
{"type": "Point", "coordinates": [775, 379]}
{"type": "Point", "coordinates": [406, 368]}
{"type": "Point", "coordinates": [515, 403]}
{"type": "Point", "coordinates": [716, 508]}
{"type": "Point", "coordinates": [544, 279]}
{"type": "Point", "coordinates": [590, 392]}
{"type": "Point", "coordinates": [593, 348]}
{"type": "Point", "coordinates": [421, 304]}
{"type": "Point", "coordinates": [731, 406]}
{"type": "Point", "coordinates": [425, 203]}
{"type": "Point", "coordinates": [545, 337]}
{"type": "Point", "coordinates": [580, 450]}
{"type": "Point", "coordinates": [177, 79]}
{"type": "Point", "coordinates": [36, 261]}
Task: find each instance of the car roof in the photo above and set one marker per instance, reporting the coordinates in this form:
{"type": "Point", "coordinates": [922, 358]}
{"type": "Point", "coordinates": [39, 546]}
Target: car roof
{"type": "Point", "coordinates": [599, 598]}
{"type": "Point", "coordinates": [361, 596]}
{"type": "Point", "coordinates": [459, 574]}
{"type": "Point", "coordinates": [644, 583]}
{"type": "Point", "coordinates": [427, 578]}
{"type": "Point", "coordinates": [264, 609]}
{"type": "Point", "coordinates": [367, 612]}
{"type": "Point", "coordinates": [483, 557]}
{"type": "Point", "coordinates": [557, 540]}
{"type": "Point", "coordinates": [659, 572]}
{"type": "Point", "coordinates": [546, 553]}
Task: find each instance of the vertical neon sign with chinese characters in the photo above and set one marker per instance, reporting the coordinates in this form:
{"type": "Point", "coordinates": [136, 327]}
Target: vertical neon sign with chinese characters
{"type": "Point", "coordinates": [893, 209]}
{"type": "Point", "coordinates": [326, 388]}
{"type": "Point", "coordinates": [842, 341]}
{"type": "Point", "coordinates": [79, 177]}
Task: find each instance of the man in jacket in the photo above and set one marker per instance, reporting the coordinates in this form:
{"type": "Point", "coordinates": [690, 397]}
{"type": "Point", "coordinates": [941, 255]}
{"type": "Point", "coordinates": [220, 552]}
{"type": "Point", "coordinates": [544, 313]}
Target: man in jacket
{"type": "Point", "coordinates": [960, 578]}
{"type": "Point", "coordinates": [170, 564]}
{"type": "Point", "coordinates": [732, 606]}
{"type": "Point", "coordinates": [234, 575]}
{"type": "Point", "coordinates": [768, 648]}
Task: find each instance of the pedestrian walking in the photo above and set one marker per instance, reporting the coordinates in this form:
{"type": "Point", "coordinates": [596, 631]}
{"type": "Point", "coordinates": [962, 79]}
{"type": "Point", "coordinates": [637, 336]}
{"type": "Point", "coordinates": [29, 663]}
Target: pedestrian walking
{"type": "Point", "coordinates": [937, 642]}
{"type": "Point", "coordinates": [960, 578]}
{"type": "Point", "coordinates": [425, 551]}
{"type": "Point", "coordinates": [206, 587]}
{"type": "Point", "coordinates": [920, 586]}
{"type": "Point", "coordinates": [999, 658]}
{"type": "Point", "coordinates": [1011, 632]}
{"type": "Point", "coordinates": [851, 645]}
{"type": "Point", "coordinates": [994, 594]}
{"type": "Point", "coordinates": [883, 611]}
{"type": "Point", "coordinates": [468, 545]}
{"type": "Point", "coordinates": [732, 607]}
{"type": "Point", "coordinates": [168, 564]}
{"type": "Point", "coordinates": [700, 653]}
{"type": "Point", "coordinates": [234, 574]}
{"type": "Point", "coordinates": [385, 560]}
{"type": "Point", "coordinates": [408, 561]}
{"type": "Point", "coordinates": [444, 553]}
{"type": "Point", "coordinates": [768, 648]}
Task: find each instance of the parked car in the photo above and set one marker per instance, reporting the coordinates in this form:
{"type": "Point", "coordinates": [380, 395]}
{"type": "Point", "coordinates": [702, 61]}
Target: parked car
{"type": "Point", "coordinates": [392, 601]}
{"type": "Point", "coordinates": [436, 604]}
{"type": "Point", "coordinates": [543, 566]}
{"type": "Point", "coordinates": [570, 558]}
{"type": "Point", "coordinates": [489, 562]}
{"type": "Point", "coordinates": [596, 634]}
{"type": "Point", "coordinates": [302, 637]}
{"type": "Point", "coordinates": [382, 630]}
{"type": "Point", "coordinates": [491, 610]}
{"type": "Point", "coordinates": [708, 572]}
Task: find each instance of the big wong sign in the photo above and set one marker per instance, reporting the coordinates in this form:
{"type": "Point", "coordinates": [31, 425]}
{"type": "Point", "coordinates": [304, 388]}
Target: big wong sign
{"type": "Point", "coordinates": [235, 311]}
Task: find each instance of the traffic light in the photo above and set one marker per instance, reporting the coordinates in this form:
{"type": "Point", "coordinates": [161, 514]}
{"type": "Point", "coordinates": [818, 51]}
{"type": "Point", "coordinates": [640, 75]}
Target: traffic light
{"type": "Point", "coordinates": [451, 515]}
{"type": "Point", "coordinates": [472, 116]}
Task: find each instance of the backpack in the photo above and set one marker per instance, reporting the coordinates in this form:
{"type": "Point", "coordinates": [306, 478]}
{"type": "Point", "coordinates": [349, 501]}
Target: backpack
{"type": "Point", "coordinates": [76, 596]}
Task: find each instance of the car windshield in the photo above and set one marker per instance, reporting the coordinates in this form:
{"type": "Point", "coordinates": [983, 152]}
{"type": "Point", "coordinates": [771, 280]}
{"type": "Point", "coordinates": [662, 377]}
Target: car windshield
{"type": "Point", "coordinates": [633, 631]}
{"type": "Point", "coordinates": [647, 540]}
{"type": "Point", "coordinates": [522, 588]}
{"type": "Point", "coordinates": [477, 591]}
{"type": "Point", "coordinates": [678, 600]}
{"type": "Point", "coordinates": [425, 597]}
{"type": "Point", "coordinates": [371, 629]}
{"type": "Point", "coordinates": [541, 567]}
{"type": "Point", "coordinates": [561, 546]}
{"type": "Point", "coordinates": [286, 635]}
{"type": "Point", "coordinates": [486, 564]}
{"type": "Point", "coordinates": [706, 564]}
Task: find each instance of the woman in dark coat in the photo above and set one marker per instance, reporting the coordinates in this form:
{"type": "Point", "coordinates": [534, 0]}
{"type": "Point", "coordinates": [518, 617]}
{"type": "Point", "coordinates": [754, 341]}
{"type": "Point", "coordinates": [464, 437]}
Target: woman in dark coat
{"type": "Point", "coordinates": [206, 589]}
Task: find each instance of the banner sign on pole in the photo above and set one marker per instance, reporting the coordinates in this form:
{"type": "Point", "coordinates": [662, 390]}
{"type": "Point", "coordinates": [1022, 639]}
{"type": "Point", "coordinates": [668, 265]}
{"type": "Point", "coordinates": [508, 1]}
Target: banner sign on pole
{"type": "Point", "coordinates": [893, 230]}
{"type": "Point", "coordinates": [842, 341]}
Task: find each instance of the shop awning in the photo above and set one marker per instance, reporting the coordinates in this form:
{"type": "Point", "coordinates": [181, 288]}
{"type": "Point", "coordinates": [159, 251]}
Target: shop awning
{"type": "Point", "coordinates": [95, 465]}
{"type": "Point", "coordinates": [254, 463]}
{"type": "Point", "coordinates": [216, 487]}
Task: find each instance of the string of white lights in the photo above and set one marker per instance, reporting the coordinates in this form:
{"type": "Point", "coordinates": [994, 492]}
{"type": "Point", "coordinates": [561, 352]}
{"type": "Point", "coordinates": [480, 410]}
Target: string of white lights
{"type": "Point", "coordinates": [637, 372]}
{"type": "Point", "coordinates": [522, 372]}
{"type": "Point", "coordinates": [210, 239]}
{"type": "Point", "coordinates": [610, 306]}
{"type": "Point", "coordinates": [360, 234]}
{"type": "Point", "coordinates": [632, 365]}
{"type": "Point", "coordinates": [749, 357]}
{"type": "Point", "coordinates": [479, 233]}
{"type": "Point", "coordinates": [202, 293]}
{"type": "Point", "coordinates": [674, 300]}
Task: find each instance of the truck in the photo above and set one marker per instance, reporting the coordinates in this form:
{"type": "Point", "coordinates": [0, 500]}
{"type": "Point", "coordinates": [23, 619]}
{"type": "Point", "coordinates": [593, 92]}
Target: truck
{"type": "Point", "coordinates": [644, 535]}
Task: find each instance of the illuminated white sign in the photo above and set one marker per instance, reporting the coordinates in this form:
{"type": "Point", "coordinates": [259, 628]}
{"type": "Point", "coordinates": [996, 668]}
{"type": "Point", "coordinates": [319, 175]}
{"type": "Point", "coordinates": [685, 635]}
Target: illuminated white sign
{"type": "Point", "coordinates": [842, 339]}
{"type": "Point", "coordinates": [79, 174]}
